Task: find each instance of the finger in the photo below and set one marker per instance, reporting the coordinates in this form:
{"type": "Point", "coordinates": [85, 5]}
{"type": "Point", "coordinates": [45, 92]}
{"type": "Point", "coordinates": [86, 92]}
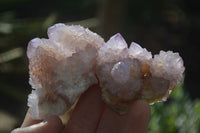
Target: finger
{"type": "Point", "coordinates": [29, 121]}
{"type": "Point", "coordinates": [52, 125]}
{"type": "Point", "coordinates": [135, 121]}
{"type": "Point", "coordinates": [87, 112]}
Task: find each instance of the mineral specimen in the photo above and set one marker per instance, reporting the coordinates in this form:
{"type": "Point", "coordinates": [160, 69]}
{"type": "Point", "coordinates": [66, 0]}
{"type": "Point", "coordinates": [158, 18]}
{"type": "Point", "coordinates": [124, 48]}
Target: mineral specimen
{"type": "Point", "coordinates": [62, 67]}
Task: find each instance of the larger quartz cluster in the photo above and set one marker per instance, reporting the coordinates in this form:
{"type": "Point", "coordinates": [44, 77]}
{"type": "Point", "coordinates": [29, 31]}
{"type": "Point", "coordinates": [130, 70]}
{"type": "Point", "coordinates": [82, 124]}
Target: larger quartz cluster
{"type": "Point", "coordinates": [64, 66]}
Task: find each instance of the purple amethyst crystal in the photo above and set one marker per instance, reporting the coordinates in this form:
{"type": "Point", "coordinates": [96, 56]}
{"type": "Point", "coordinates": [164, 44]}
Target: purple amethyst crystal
{"type": "Point", "coordinates": [64, 66]}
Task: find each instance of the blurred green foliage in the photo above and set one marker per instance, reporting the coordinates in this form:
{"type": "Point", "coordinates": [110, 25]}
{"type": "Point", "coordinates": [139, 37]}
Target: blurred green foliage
{"type": "Point", "coordinates": [178, 115]}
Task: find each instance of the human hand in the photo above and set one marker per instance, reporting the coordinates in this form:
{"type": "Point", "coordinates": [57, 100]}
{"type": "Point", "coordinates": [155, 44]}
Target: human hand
{"type": "Point", "coordinates": [91, 115]}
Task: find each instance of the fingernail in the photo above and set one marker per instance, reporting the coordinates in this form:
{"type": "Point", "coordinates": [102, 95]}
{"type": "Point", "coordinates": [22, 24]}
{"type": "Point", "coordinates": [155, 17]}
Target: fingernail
{"type": "Point", "coordinates": [38, 124]}
{"type": "Point", "coordinates": [29, 128]}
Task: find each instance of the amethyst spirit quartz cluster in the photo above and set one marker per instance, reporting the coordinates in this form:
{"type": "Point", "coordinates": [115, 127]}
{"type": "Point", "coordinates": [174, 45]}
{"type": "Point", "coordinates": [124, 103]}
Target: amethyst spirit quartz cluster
{"type": "Point", "coordinates": [64, 66]}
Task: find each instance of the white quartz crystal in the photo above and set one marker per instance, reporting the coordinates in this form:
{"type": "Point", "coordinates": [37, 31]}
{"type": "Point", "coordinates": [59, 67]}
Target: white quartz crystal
{"type": "Point", "coordinates": [64, 66]}
{"type": "Point", "coordinates": [61, 68]}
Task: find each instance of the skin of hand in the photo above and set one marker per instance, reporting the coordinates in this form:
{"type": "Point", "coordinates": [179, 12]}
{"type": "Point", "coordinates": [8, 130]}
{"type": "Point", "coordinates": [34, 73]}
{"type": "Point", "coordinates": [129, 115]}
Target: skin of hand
{"type": "Point", "coordinates": [91, 115]}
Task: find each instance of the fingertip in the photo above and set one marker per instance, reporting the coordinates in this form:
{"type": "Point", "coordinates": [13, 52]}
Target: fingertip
{"type": "Point", "coordinates": [87, 112]}
{"type": "Point", "coordinates": [55, 123]}
{"type": "Point", "coordinates": [139, 116]}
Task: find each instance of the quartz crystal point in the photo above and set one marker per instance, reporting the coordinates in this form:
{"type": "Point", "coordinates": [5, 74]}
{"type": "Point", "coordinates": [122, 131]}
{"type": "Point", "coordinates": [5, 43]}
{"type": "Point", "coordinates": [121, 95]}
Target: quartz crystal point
{"type": "Point", "coordinates": [62, 67]}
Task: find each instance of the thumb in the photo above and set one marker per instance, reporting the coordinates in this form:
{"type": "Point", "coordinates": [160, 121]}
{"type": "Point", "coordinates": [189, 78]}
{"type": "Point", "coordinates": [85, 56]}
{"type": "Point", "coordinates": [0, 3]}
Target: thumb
{"type": "Point", "coordinates": [52, 125]}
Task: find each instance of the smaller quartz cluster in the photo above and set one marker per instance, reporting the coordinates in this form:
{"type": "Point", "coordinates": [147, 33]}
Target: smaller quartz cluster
{"type": "Point", "coordinates": [64, 66]}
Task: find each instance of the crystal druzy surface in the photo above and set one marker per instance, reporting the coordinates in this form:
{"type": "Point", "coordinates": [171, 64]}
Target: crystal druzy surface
{"type": "Point", "coordinates": [62, 67]}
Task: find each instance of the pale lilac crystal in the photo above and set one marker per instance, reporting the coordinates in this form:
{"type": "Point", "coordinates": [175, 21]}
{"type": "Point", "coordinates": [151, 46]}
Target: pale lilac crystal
{"type": "Point", "coordinates": [114, 49]}
{"type": "Point", "coordinates": [120, 72]}
{"type": "Point", "coordinates": [64, 66]}
{"type": "Point", "coordinates": [136, 76]}
{"type": "Point", "coordinates": [119, 76]}
{"type": "Point", "coordinates": [168, 65]}
{"type": "Point", "coordinates": [136, 51]}
{"type": "Point", "coordinates": [109, 77]}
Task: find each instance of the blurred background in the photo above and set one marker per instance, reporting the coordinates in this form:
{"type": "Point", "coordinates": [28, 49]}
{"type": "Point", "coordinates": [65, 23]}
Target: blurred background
{"type": "Point", "coordinates": [155, 25]}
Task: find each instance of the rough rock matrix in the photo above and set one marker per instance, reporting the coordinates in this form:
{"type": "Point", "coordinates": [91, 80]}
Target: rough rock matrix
{"type": "Point", "coordinates": [62, 67]}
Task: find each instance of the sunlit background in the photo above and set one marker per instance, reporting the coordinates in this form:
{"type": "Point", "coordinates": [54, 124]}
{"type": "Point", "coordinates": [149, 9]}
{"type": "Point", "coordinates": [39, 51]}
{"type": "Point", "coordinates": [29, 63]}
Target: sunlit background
{"type": "Point", "coordinates": [154, 24]}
